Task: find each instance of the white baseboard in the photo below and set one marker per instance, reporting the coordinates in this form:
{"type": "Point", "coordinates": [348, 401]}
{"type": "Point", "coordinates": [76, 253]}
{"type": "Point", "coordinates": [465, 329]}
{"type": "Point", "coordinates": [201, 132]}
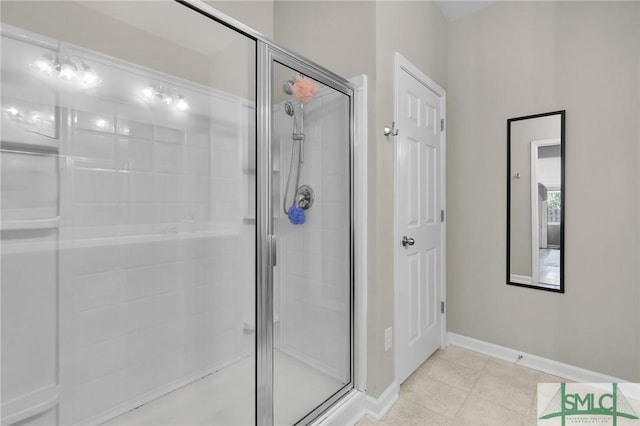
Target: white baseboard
{"type": "Point", "coordinates": [546, 365]}
{"type": "Point", "coordinates": [357, 404]}
{"type": "Point", "coordinates": [346, 412]}
{"type": "Point", "coordinates": [378, 407]}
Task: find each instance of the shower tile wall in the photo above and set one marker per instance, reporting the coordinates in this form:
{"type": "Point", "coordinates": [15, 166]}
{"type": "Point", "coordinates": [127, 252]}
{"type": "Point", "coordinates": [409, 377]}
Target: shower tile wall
{"type": "Point", "coordinates": [151, 231]}
{"type": "Point", "coordinates": [312, 298]}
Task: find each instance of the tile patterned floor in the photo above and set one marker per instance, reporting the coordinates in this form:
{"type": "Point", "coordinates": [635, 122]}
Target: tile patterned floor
{"type": "Point", "coordinates": [456, 386]}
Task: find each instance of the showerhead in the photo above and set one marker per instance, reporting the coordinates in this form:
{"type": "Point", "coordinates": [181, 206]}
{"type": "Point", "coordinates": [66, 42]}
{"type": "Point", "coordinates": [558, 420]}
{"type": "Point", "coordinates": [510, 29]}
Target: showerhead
{"type": "Point", "coordinates": [288, 109]}
{"type": "Point", "coordinates": [287, 87]}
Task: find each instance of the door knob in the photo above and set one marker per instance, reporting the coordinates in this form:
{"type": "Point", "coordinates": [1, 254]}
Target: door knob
{"type": "Point", "coordinates": [406, 241]}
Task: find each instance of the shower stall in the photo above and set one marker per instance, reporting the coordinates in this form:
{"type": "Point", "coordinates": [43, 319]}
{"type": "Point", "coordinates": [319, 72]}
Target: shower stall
{"type": "Point", "coordinates": [177, 220]}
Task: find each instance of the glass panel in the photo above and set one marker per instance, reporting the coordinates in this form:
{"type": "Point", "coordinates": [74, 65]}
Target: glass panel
{"type": "Point", "coordinates": [312, 284]}
{"type": "Point", "coordinates": [128, 216]}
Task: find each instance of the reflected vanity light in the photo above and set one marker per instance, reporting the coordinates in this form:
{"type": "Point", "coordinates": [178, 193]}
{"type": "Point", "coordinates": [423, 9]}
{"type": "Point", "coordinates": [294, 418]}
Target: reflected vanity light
{"type": "Point", "coordinates": [69, 69]}
{"type": "Point", "coordinates": [30, 119]}
{"type": "Point", "coordinates": [89, 77]}
{"type": "Point", "coordinates": [44, 65]}
{"type": "Point", "coordinates": [169, 96]}
{"type": "Point", "coordinates": [13, 111]}
{"type": "Point", "coordinates": [181, 104]}
{"type": "Point", "coordinates": [148, 93]}
{"type": "Point", "coordinates": [101, 123]}
{"type": "Point", "coordinates": [124, 130]}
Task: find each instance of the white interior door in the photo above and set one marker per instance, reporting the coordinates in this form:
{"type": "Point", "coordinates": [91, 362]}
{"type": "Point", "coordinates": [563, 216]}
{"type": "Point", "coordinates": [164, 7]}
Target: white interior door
{"type": "Point", "coordinates": [419, 226]}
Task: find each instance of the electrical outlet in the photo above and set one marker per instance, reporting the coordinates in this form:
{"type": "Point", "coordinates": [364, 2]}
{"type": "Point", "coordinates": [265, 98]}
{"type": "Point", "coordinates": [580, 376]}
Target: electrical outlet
{"type": "Point", "coordinates": [388, 339]}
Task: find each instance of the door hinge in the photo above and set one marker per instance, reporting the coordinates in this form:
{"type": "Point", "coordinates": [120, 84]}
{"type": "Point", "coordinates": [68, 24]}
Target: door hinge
{"type": "Point", "coordinates": [441, 215]}
{"type": "Point", "coordinates": [442, 307]}
{"type": "Point", "coordinates": [442, 124]}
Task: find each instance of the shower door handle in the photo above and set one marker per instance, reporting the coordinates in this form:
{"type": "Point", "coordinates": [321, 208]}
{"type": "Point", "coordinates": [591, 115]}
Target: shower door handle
{"type": "Point", "coordinates": [274, 250]}
{"type": "Point", "coordinates": [406, 241]}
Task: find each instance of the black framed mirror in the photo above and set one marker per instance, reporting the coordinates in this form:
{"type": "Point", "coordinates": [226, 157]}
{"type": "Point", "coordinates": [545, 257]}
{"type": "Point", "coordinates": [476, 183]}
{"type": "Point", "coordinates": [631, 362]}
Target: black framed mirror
{"type": "Point", "coordinates": [536, 201]}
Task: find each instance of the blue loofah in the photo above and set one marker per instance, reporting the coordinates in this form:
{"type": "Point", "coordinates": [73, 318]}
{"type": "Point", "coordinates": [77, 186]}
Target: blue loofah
{"type": "Point", "coordinates": [296, 215]}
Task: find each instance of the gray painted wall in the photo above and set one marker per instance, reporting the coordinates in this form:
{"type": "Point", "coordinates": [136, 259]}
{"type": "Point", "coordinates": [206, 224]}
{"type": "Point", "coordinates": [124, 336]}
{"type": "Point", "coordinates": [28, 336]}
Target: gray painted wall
{"type": "Point", "coordinates": [419, 32]}
{"type": "Point", "coordinates": [519, 58]}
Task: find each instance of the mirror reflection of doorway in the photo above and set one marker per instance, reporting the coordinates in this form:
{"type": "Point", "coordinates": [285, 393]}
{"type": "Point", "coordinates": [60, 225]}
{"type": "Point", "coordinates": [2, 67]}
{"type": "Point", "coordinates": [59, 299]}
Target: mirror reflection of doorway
{"type": "Point", "coordinates": [546, 169]}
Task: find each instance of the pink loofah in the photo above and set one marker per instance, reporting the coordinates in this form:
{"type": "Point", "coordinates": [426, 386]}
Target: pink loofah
{"type": "Point", "coordinates": [304, 88]}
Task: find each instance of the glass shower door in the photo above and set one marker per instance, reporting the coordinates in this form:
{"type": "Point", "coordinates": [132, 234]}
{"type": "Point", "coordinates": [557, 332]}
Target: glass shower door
{"type": "Point", "coordinates": [311, 213]}
{"type": "Point", "coordinates": [128, 216]}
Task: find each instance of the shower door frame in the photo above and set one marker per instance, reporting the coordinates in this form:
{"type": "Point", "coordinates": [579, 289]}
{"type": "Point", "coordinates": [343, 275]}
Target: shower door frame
{"type": "Point", "coordinates": [268, 52]}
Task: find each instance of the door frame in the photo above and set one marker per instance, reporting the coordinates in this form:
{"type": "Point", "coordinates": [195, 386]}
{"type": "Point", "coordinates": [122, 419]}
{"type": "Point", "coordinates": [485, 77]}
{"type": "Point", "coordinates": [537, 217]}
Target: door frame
{"type": "Point", "coordinates": [402, 64]}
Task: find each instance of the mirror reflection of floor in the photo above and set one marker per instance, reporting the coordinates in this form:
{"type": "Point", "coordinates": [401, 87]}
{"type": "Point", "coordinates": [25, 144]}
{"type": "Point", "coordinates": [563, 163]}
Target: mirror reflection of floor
{"type": "Point", "coordinates": [549, 264]}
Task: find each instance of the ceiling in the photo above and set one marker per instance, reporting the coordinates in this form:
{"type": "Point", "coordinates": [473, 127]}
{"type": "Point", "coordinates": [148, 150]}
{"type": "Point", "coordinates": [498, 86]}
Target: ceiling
{"type": "Point", "coordinates": [453, 9]}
